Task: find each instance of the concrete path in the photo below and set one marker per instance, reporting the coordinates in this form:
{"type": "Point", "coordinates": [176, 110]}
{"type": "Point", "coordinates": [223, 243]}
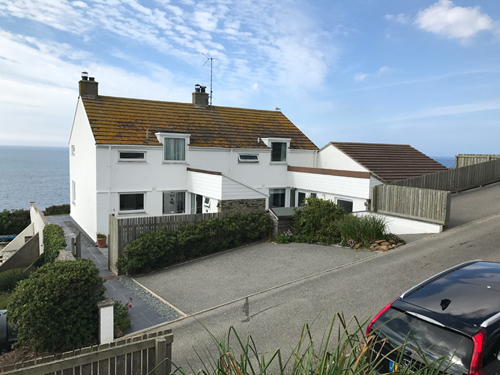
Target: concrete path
{"type": "Point", "coordinates": [141, 315]}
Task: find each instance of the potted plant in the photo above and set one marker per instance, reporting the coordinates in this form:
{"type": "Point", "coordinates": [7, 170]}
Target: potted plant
{"type": "Point", "coordinates": [101, 240]}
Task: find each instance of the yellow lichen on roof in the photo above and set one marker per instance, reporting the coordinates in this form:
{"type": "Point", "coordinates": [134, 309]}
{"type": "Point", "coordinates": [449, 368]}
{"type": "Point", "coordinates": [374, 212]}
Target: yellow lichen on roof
{"type": "Point", "coordinates": [126, 121]}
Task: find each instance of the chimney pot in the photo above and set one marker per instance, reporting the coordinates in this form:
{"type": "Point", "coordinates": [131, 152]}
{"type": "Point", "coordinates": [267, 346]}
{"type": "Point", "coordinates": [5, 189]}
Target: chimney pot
{"type": "Point", "coordinates": [91, 79]}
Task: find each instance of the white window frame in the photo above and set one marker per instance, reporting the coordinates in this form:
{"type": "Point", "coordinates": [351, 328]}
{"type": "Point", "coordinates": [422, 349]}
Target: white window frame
{"type": "Point", "coordinates": [186, 203]}
{"type": "Point", "coordinates": [73, 192]}
{"type": "Point", "coordinates": [284, 197]}
{"type": "Point", "coordinates": [161, 138]}
{"type": "Point", "coordinates": [142, 210]}
{"type": "Point", "coordinates": [269, 143]}
{"type": "Point", "coordinates": [132, 160]}
{"type": "Point", "coordinates": [248, 161]}
{"type": "Point", "coordinates": [345, 200]}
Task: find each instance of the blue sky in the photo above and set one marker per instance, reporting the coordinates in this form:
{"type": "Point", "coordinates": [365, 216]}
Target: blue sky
{"type": "Point", "coordinates": [424, 73]}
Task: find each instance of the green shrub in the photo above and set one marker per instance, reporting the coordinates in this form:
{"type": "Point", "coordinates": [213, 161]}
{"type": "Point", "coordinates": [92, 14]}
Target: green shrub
{"type": "Point", "coordinates": [155, 250]}
{"type": "Point", "coordinates": [55, 309]}
{"type": "Point", "coordinates": [362, 230]}
{"type": "Point", "coordinates": [62, 209]}
{"type": "Point", "coordinates": [14, 221]}
{"type": "Point", "coordinates": [120, 315]}
{"type": "Point", "coordinates": [10, 278]}
{"type": "Point", "coordinates": [315, 222]}
{"type": "Point", "coordinates": [53, 241]}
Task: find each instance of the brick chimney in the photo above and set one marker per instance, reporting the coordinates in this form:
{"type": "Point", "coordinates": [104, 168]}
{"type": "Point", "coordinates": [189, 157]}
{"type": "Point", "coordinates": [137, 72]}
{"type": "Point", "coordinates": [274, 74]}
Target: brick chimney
{"type": "Point", "coordinates": [200, 97]}
{"type": "Point", "coordinates": [88, 87]}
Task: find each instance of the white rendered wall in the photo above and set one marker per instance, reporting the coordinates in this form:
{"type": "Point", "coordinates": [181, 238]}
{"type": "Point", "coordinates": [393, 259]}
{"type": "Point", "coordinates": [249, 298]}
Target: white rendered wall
{"type": "Point", "coordinates": [82, 170]}
{"type": "Point", "coordinates": [401, 225]}
{"type": "Point", "coordinates": [331, 157]}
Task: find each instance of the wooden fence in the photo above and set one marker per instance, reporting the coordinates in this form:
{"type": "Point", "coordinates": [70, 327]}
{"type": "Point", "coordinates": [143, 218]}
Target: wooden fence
{"type": "Point", "coordinates": [457, 179]}
{"type": "Point", "coordinates": [416, 203]}
{"type": "Point", "coordinates": [137, 355]}
{"type": "Point", "coordinates": [124, 230]}
{"type": "Point", "coordinates": [464, 160]}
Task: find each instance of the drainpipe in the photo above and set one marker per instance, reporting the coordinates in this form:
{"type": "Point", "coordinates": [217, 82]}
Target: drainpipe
{"type": "Point", "coordinates": [316, 159]}
{"type": "Point", "coordinates": [109, 183]}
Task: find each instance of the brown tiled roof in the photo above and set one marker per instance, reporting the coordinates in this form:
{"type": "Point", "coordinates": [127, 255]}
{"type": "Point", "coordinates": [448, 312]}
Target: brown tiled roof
{"type": "Point", "coordinates": [125, 121]}
{"type": "Point", "coordinates": [390, 162]}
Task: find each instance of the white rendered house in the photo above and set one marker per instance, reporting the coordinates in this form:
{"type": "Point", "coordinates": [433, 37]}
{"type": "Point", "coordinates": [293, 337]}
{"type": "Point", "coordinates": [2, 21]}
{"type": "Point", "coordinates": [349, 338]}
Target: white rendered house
{"type": "Point", "coordinates": [136, 158]}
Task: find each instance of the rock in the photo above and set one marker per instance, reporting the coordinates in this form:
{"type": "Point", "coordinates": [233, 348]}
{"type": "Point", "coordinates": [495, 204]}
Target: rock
{"type": "Point", "coordinates": [392, 241]}
{"type": "Point", "coordinates": [385, 243]}
{"type": "Point", "coordinates": [379, 241]}
{"type": "Point", "coordinates": [383, 248]}
{"type": "Point", "coordinates": [400, 244]}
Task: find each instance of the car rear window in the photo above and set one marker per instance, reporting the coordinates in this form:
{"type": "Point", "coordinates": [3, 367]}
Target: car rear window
{"type": "Point", "coordinates": [423, 337]}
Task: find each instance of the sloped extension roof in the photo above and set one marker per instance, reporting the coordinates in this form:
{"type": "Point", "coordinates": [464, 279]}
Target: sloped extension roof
{"type": "Point", "coordinates": [390, 162]}
{"type": "Point", "coordinates": [125, 121]}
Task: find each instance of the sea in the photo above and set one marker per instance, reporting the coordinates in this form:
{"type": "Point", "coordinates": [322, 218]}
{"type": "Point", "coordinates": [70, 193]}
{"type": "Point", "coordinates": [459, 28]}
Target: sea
{"type": "Point", "coordinates": [33, 174]}
{"type": "Point", "coordinates": [41, 175]}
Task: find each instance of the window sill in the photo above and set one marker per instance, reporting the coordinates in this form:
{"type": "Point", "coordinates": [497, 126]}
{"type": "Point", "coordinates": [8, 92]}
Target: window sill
{"type": "Point", "coordinates": [131, 212]}
{"type": "Point", "coordinates": [174, 162]}
{"type": "Point", "coordinates": [131, 161]}
{"type": "Point", "coordinates": [278, 163]}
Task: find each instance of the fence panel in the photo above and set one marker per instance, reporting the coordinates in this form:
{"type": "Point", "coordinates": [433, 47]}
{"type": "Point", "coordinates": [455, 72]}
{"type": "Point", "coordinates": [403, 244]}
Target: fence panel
{"type": "Point", "coordinates": [417, 203]}
{"type": "Point", "coordinates": [457, 179]}
{"type": "Point", "coordinates": [464, 160]}
{"type": "Point", "coordinates": [145, 352]}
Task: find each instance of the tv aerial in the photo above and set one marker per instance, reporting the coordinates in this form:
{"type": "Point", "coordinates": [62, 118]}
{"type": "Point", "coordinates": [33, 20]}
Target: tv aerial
{"type": "Point", "coordinates": [211, 64]}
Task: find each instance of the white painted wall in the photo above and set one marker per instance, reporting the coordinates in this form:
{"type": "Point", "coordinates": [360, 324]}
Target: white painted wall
{"type": "Point", "coordinates": [19, 241]}
{"type": "Point", "coordinates": [331, 157]}
{"type": "Point", "coordinates": [400, 225]}
{"type": "Point", "coordinates": [82, 170]}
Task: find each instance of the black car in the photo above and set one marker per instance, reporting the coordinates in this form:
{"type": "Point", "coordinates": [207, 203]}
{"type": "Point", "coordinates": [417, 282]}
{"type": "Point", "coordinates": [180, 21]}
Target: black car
{"type": "Point", "coordinates": [453, 315]}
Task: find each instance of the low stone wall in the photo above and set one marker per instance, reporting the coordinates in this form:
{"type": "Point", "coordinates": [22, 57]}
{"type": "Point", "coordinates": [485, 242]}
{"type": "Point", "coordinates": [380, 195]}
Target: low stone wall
{"type": "Point", "coordinates": [242, 205]}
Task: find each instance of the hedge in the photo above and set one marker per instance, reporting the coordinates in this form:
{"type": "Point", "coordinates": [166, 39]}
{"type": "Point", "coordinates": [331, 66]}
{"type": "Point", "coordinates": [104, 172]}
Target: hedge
{"type": "Point", "coordinates": [155, 250]}
{"type": "Point", "coordinates": [53, 241]}
{"type": "Point", "coordinates": [55, 309]}
{"type": "Point", "coordinates": [14, 221]}
{"type": "Point", "coordinates": [62, 209]}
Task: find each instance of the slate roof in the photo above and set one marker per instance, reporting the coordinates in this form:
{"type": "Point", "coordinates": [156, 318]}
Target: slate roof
{"type": "Point", "coordinates": [390, 162]}
{"type": "Point", "coordinates": [125, 121]}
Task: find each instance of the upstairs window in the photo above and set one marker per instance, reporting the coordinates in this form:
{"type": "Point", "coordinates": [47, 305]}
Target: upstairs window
{"type": "Point", "coordinates": [174, 149]}
{"type": "Point", "coordinates": [278, 151]}
{"type": "Point", "coordinates": [248, 158]}
{"type": "Point", "coordinates": [132, 155]}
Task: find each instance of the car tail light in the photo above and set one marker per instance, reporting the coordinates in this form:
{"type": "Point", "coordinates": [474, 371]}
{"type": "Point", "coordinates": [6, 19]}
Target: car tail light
{"type": "Point", "coordinates": [476, 361]}
{"type": "Point", "coordinates": [369, 328]}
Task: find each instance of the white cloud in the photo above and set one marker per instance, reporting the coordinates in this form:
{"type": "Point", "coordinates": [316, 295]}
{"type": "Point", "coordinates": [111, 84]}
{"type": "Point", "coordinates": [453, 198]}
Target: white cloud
{"type": "Point", "coordinates": [360, 76]}
{"type": "Point", "coordinates": [451, 21]}
{"type": "Point", "coordinates": [400, 18]}
{"type": "Point", "coordinates": [383, 69]}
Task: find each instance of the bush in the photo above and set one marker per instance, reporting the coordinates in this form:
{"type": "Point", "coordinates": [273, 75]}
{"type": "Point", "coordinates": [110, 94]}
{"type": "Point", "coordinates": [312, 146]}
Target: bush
{"type": "Point", "coordinates": [155, 250]}
{"type": "Point", "coordinates": [55, 309]}
{"type": "Point", "coordinates": [120, 315]}
{"type": "Point", "coordinates": [362, 230]}
{"type": "Point", "coordinates": [14, 221]}
{"type": "Point", "coordinates": [53, 241]}
{"type": "Point", "coordinates": [10, 278]}
{"type": "Point", "coordinates": [315, 222]}
{"type": "Point", "coordinates": [62, 209]}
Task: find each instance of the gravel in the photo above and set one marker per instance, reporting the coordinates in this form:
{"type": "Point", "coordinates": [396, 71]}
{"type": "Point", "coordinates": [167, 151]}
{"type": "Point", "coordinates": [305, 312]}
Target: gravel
{"type": "Point", "coordinates": [164, 310]}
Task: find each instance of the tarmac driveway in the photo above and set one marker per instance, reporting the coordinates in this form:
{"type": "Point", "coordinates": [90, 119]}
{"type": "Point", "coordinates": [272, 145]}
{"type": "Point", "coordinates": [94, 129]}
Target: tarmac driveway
{"type": "Point", "coordinates": [225, 277]}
